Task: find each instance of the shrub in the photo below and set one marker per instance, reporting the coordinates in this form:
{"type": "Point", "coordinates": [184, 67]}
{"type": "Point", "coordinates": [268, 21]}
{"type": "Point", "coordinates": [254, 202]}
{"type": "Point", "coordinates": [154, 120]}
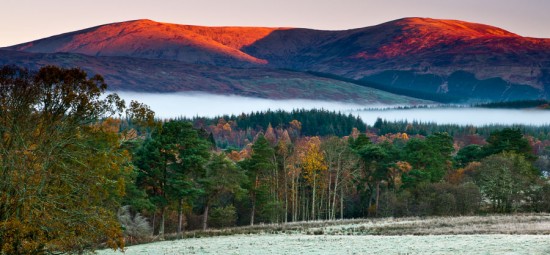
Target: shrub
{"type": "Point", "coordinates": [222, 217]}
{"type": "Point", "coordinates": [136, 228]}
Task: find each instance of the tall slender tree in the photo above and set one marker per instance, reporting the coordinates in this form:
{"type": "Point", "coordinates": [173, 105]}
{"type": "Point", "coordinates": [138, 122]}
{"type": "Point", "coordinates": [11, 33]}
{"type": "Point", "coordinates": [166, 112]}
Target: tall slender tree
{"type": "Point", "coordinates": [258, 166]}
{"type": "Point", "coordinates": [171, 162]}
{"type": "Point", "coordinates": [222, 177]}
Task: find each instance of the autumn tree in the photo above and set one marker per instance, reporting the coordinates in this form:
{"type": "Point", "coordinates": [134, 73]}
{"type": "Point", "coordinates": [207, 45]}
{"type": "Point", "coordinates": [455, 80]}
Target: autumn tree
{"type": "Point", "coordinates": [342, 163]}
{"type": "Point", "coordinates": [270, 135]}
{"type": "Point", "coordinates": [283, 152]}
{"type": "Point", "coordinates": [61, 175]}
{"type": "Point", "coordinates": [313, 165]}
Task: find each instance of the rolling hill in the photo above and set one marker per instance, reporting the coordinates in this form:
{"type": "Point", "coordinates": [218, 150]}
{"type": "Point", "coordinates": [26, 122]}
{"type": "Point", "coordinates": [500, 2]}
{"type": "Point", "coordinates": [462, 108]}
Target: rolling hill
{"type": "Point", "coordinates": [447, 58]}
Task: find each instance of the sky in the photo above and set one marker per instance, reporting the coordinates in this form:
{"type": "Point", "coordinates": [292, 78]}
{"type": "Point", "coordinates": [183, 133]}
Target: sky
{"type": "Point", "coordinates": [27, 20]}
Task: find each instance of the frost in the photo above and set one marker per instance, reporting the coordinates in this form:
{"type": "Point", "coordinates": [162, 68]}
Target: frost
{"type": "Point", "coordinates": [330, 244]}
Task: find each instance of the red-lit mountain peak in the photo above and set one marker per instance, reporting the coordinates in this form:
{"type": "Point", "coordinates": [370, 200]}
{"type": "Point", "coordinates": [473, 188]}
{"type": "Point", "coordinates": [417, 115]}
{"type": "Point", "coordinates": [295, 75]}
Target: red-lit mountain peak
{"type": "Point", "coordinates": [456, 28]}
{"type": "Point", "coordinates": [155, 40]}
{"type": "Point", "coordinates": [410, 36]}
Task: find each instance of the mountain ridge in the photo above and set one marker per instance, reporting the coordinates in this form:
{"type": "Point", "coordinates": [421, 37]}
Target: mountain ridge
{"type": "Point", "coordinates": [429, 55]}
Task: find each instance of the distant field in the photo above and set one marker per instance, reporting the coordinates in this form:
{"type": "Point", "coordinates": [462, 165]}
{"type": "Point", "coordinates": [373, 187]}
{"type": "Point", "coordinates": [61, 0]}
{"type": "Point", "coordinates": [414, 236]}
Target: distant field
{"type": "Point", "coordinates": [519, 234]}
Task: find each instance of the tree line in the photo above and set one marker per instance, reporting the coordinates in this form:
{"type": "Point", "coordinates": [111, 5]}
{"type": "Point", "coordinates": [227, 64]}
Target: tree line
{"type": "Point", "coordinates": [280, 178]}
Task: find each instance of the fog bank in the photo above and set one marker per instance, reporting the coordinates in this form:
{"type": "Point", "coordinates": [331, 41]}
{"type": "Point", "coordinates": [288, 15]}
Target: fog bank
{"type": "Point", "coordinates": [461, 116]}
{"type": "Point", "coordinates": [208, 105]}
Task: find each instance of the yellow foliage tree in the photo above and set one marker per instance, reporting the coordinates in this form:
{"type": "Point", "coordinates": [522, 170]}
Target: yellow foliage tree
{"type": "Point", "coordinates": [313, 163]}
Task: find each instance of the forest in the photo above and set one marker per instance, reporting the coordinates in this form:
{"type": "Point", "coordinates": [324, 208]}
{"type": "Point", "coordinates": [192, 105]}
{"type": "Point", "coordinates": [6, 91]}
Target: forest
{"type": "Point", "coordinates": [72, 157]}
{"type": "Point", "coordinates": [268, 167]}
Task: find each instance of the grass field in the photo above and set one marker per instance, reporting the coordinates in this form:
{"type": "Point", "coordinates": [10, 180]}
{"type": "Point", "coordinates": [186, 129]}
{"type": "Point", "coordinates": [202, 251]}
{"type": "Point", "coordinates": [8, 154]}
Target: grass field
{"type": "Point", "coordinates": [519, 234]}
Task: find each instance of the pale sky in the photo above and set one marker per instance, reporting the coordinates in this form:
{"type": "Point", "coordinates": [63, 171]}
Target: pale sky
{"type": "Point", "coordinates": [27, 20]}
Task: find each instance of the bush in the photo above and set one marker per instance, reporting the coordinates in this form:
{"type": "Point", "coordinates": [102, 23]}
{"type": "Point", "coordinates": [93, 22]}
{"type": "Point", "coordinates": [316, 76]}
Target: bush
{"type": "Point", "coordinates": [442, 199]}
{"type": "Point", "coordinates": [136, 228]}
{"type": "Point", "coordinates": [388, 204]}
{"type": "Point", "coordinates": [468, 199]}
{"type": "Point", "coordinates": [222, 217]}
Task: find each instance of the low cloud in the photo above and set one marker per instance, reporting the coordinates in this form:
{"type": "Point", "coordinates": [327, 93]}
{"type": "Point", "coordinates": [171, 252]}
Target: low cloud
{"type": "Point", "coordinates": [193, 104]}
{"type": "Point", "coordinates": [209, 105]}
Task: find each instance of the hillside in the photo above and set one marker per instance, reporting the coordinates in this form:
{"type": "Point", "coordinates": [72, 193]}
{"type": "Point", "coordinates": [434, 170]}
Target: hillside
{"type": "Point", "coordinates": [169, 76]}
{"type": "Point", "coordinates": [450, 57]}
{"type": "Point", "coordinates": [154, 40]}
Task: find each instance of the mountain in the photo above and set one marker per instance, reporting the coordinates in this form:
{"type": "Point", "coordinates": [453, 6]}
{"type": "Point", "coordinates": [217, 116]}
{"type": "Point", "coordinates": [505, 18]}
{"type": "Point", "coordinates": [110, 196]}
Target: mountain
{"type": "Point", "coordinates": [154, 40]}
{"type": "Point", "coordinates": [458, 59]}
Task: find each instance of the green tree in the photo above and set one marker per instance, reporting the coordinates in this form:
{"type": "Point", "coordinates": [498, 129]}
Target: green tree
{"type": "Point", "coordinates": [505, 179]}
{"type": "Point", "coordinates": [258, 166]}
{"type": "Point", "coordinates": [222, 177]}
{"type": "Point", "coordinates": [171, 162]}
{"type": "Point", "coordinates": [468, 154]}
{"type": "Point", "coordinates": [374, 158]}
{"type": "Point", "coordinates": [511, 140]}
{"type": "Point", "coordinates": [431, 156]}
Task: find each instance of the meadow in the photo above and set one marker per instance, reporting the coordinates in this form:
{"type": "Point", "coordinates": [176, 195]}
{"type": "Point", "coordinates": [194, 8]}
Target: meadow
{"type": "Point", "coordinates": [493, 234]}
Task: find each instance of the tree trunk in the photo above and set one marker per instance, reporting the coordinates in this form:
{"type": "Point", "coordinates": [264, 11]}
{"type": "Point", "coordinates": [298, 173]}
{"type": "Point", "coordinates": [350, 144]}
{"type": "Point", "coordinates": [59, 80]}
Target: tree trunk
{"type": "Point", "coordinates": [205, 217]}
{"type": "Point", "coordinates": [254, 201]}
{"type": "Point", "coordinates": [371, 196]}
{"type": "Point", "coordinates": [337, 184]}
{"type": "Point", "coordinates": [161, 225]}
{"type": "Point", "coordinates": [333, 210]}
{"type": "Point", "coordinates": [377, 198]}
{"type": "Point", "coordinates": [313, 197]}
{"type": "Point", "coordinates": [341, 202]}
{"type": "Point", "coordinates": [295, 190]}
{"type": "Point", "coordinates": [180, 216]}
{"type": "Point", "coordinates": [293, 201]}
{"type": "Point", "coordinates": [285, 189]}
{"type": "Point", "coordinates": [328, 209]}
{"type": "Point", "coordinates": [154, 219]}
{"type": "Point", "coordinates": [252, 214]}
{"type": "Point", "coordinates": [276, 190]}
{"type": "Point", "coordinates": [163, 190]}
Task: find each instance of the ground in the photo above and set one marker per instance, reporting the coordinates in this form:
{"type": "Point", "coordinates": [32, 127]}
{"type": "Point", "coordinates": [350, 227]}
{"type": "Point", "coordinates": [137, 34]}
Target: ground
{"type": "Point", "coordinates": [519, 234]}
{"type": "Point", "coordinates": [327, 244]}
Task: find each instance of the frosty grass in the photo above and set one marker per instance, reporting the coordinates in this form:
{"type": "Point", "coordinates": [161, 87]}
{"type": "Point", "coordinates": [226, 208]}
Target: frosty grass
{"type": "Point", "coordinates": [343, 244]}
